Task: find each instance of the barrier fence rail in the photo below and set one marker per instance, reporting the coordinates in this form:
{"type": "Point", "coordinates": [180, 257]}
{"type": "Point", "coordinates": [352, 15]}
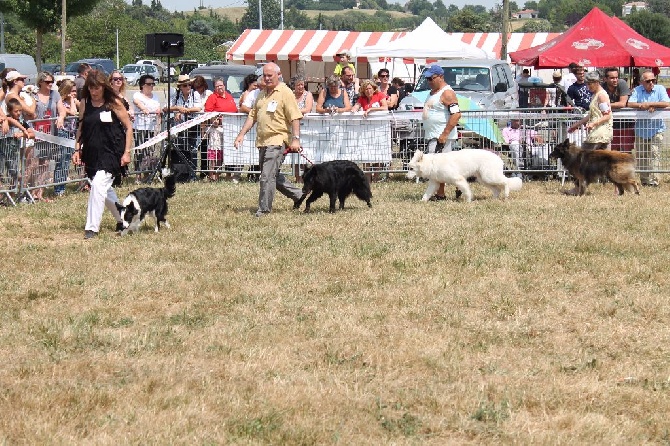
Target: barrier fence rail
{"type": "Point", "coordinates": [380, 143]}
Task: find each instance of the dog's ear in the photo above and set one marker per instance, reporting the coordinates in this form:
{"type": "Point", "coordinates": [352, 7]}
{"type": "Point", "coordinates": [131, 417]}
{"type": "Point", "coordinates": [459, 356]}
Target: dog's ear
{"type": "Point", "coordinates": [119, 207]}
{"type": "Point", "coordinates": [566, 142]}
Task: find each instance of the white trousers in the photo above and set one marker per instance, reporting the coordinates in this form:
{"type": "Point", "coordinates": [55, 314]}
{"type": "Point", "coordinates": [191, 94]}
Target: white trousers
{"type": "Point", "coordinates": [102, 195]}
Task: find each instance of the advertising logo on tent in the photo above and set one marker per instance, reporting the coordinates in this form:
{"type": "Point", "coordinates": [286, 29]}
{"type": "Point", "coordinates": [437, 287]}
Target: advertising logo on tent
{"type": "Point", "coordinates": [588, 44]}
{"type": "Point", "coordinates": [659, 63]}
{"type": "Point", "coordinates": [637, 44]}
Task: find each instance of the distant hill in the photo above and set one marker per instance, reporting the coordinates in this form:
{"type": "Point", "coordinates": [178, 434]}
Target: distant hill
{"type": "Point", "coordinates": [236, 13]}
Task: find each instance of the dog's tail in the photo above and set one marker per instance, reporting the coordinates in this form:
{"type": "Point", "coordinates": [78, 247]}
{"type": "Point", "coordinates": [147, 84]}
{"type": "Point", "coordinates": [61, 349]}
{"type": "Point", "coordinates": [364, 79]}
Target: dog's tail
{"type": "Point", "coordinates": [169, 183]}
{"type": "Point", "coordinates": [514, 183]}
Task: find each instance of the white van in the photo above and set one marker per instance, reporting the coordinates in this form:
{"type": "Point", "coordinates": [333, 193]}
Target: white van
{"type": "Point", "coordinates": [22, 63]}
{"type": "Point", "coordinates": [488, 83]}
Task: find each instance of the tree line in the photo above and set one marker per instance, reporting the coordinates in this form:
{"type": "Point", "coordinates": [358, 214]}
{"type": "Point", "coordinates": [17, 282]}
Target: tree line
{"type": "Point", "coordinates": [33, 27]}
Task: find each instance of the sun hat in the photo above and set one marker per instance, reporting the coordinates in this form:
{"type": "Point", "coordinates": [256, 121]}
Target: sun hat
{"type": "Point", "coordinates": [344, 53]}
{"type": "Point", "coordinates": [433, 70]}
{"type": "Point", "coordinates": [592, 76]}
{"type": "Point", "coordinates": [183, 79]}
{"type": "Point", "coordinates": [557, 74]}
{"type": "Point", "coordinates": [14, 75]}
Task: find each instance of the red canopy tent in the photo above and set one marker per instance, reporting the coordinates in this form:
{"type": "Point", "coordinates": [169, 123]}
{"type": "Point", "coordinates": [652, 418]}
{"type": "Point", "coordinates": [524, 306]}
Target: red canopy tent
{"type": "Point", "coordinates": [597, 40]}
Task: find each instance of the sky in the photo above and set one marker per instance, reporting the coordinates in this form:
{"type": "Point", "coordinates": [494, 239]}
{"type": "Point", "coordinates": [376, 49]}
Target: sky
{"type": "Point", "coordinates": [189, 5]}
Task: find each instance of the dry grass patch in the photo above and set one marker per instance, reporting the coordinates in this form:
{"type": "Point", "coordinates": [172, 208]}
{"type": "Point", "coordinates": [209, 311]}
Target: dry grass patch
{"type": "Point", "coordinates": [541, 319]}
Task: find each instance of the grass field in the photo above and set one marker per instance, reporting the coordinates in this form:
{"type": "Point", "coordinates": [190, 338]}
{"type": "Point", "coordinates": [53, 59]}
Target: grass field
{"type": "Point", "coordinates": [542, 319]}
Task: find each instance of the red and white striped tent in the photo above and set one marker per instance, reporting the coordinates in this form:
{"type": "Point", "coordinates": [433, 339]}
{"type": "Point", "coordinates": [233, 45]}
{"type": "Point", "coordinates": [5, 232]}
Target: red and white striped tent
{"type": "Point", "coordinates": [256, 45]}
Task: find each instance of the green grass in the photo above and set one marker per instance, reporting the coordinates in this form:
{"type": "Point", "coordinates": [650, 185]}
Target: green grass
{"type": "Point", "coordinates": [537, 320]}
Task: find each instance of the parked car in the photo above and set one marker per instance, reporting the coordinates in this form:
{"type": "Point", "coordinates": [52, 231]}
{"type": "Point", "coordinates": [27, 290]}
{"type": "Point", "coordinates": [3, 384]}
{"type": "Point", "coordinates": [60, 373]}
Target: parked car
{"type": "Point", "coordinates": [232, 74]}
{"type": "Point", "coordinates": [162, 68]}
{"type": "Point", "coordinates": [72, 69]}
{"type": "Point", "coordinates": [107, 64]}
{"type": "Point", "coordinates": [489, 83]}
{"type": "Point", "coordinates": [132, 72]}
{"type": "Point", "coordinates": [185, 66]}
{"type": "Point", "coordinates": [51, 67]}
{"type": "Point", "coordinates": [22, 63]}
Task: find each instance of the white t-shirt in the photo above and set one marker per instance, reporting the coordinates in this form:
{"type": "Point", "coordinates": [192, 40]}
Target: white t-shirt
{"type": "Point", "coordinates": [152, 105]}
{"type": "Point", "coordinates": [250, 98]}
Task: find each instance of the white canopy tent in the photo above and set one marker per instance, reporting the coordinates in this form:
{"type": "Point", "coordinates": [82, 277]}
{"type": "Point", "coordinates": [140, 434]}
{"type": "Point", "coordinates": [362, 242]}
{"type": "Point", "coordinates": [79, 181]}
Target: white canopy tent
{"type": "Point", "coordinates": [428, 42]}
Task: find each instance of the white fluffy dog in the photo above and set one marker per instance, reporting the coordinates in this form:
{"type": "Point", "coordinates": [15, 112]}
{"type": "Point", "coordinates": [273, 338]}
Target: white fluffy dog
{"type": "Point", "coordinates": [456, 167]}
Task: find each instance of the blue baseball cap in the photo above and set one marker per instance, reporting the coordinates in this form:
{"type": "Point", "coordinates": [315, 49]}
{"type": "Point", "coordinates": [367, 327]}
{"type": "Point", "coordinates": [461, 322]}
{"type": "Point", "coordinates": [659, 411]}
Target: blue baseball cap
{"type": "Point", "coordinates": [433, 70]}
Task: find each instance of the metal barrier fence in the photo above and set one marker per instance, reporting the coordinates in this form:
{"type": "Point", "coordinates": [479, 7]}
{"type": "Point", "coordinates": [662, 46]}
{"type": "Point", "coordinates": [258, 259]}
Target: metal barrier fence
{"type": "Point", "coordinates": [380, 143]}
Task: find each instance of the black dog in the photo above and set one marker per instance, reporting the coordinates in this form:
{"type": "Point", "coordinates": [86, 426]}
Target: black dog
{"type": "Point", "coordinates": [338, 179]}
{"type": "Point", "coordinates": [586, 166]}
{"type": "Point", "coordinates": [147, 200]}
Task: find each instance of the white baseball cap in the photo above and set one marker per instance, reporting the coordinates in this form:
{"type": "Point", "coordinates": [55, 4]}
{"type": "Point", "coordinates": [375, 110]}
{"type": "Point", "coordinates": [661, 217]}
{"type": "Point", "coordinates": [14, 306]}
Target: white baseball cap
{"type": "Point", "coordinates": [14, 75]}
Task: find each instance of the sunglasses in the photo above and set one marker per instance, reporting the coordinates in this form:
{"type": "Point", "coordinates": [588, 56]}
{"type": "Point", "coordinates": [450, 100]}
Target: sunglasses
{"type": "Point", "coordinates": [383, 75]}
{"type": "Point", "coordinates": [117, 79]}
{"type": "Point", "coordinates": [431, 78]}
{"type": "Point", "coordinates": [48, 82]}
{"type": "Point", "coordinates": [649, 81]}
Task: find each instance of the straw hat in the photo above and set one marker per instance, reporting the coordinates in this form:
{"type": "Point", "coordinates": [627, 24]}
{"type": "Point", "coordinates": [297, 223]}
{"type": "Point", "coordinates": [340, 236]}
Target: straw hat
{"type": "Point", "coordinates": [183, 79]}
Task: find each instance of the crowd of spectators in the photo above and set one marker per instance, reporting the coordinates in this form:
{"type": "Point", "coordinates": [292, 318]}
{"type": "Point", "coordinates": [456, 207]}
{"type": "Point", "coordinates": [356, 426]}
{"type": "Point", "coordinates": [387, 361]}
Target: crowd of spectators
{"type": "Point", "coordinates": [54, 110]}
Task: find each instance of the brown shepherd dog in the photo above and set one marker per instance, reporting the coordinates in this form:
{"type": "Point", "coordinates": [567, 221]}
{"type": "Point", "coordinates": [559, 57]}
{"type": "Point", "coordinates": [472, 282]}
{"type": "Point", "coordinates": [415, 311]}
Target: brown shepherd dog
{"type": "Point", "coordinates": [586, 166]}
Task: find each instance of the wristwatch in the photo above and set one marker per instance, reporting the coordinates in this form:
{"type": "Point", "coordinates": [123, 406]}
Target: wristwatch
{"type": "Point", "coordinates": [296, 137]}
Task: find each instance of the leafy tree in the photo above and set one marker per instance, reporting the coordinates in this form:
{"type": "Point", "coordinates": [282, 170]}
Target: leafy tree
{"type": "Point", "coordinates": [536, 26]}
{"type": "Point", "coordinates": [44, 16]}
{"type": "Point", "coordinates": [477, 9]}
{"type": "Point", "coordinates": [270, 11]}
{"type": "Point", "coordinates": [467, 21]}
{"type": "Point", "coordinates": [294, 19]}
{"type": "Point", "coordinates": [653, 26]}
{"type": "Point", "coordinates": [659, 6]}
{"type": "Point", "coordinates": [529, 5]}
{"type": "Point", "coordinates": [440, 9]}
{"type": "Point", "coordinates": [513, 7]}
{"type": "Point", "coordinates": [416, 6]}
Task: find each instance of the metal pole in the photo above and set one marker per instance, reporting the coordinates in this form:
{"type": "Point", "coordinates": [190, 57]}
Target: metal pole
{"type": "Point", "coordinates": [2, 33]}
{"type": "Point", "coordinates": [260, 15]}
{"type": "Point", "coordinates": [281, 14]}
{"type": "Point", "coordinates": [117, 48]}
{"type": "Point", "coordinates": [505, 26]}
{"type": "Point", "coordinates": [63, 33]}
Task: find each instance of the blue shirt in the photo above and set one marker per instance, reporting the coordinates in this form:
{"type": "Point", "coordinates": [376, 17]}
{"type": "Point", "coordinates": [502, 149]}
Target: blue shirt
{"type": "Point", "coordinates": [580, 94]}
{"type": "Point", "coordinates": [647, 128]}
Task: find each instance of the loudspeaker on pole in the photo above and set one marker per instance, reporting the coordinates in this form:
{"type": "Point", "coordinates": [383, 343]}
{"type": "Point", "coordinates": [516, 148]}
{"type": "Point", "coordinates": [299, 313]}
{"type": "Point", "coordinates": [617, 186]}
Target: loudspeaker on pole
{"type": "Point", "coordinates": [165, 44]}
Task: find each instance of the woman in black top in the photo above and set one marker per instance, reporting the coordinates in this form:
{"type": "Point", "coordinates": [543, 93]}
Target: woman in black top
{"type": "Point", "coordinates": [104, 140]}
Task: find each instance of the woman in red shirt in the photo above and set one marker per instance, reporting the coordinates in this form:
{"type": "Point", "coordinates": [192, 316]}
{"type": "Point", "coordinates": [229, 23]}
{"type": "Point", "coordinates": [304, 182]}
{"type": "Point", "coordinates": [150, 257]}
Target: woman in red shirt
{"type": "Point", "coordinates": [219, 101]}
{"type": "Point", "coordinates": [370, 99]}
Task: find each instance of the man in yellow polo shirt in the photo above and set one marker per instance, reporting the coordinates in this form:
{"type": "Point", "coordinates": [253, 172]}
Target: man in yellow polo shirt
{"type": "Point", "coordinates": [278, 117]}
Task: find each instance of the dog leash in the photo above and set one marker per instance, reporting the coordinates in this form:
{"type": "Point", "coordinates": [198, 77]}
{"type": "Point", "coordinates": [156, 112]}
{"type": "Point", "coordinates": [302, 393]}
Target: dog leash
{"type": "Point", "coordinates": [287, 151]}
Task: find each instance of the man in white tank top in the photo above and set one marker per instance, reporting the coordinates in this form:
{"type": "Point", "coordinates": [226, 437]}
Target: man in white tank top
{"type": "Point", "coordinates": [440, 116]}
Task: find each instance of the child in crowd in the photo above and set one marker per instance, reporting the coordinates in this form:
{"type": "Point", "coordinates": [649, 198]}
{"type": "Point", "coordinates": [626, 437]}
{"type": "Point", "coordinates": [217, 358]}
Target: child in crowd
{"type": "Point", "coordinates": [19, 130]}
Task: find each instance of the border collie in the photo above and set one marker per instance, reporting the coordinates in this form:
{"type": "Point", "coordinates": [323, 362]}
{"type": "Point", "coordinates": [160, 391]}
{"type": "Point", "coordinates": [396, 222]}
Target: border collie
{"type": "Point", "coordinates": [147, 200]}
